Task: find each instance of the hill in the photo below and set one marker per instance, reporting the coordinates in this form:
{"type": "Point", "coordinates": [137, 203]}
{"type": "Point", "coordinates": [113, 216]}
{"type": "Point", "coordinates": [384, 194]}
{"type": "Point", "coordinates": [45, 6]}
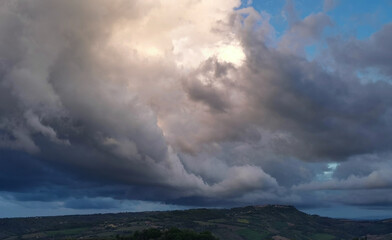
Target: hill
{"type": "Point", "coordinates": [278, 222]}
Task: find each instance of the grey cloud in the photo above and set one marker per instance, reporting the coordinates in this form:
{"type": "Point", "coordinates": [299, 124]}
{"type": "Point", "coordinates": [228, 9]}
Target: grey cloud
{"type": "Point", "coordinates": [362, 165]}
{"type": "Point", "coordinates": [329, 5]}
{"type": "Point", "coordinates": [58, 77]}
{"type": "Point", "coordinates": [326, 115]}
{"type": "Point", "coordinates": [360, 54]}
{"type": "Point", "coordinates": [86, 203]}
{"type": "Point", "coordinates": [290, 12]}
{"type": "Point", "coordinates": [379, 179]}
{"type": "Point", "coordinates": [362, 180]}
{"type": "Point", "coordinates": [203, 86]}
{"type": "Point", "coordinates": [305, 32]}
{"type": "Point", "coordinates": [35, 123]}
{"type": "Point", "coordinates": [126, 126]}
{"type": "Point", "coordinates": [287, 171]}
{"type": "Point", "coordinates": [16, 137]}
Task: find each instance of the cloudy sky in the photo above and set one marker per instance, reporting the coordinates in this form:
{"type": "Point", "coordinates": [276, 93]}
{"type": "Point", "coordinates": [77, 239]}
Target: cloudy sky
{"type": "Point", "coordinates": [131, 105]}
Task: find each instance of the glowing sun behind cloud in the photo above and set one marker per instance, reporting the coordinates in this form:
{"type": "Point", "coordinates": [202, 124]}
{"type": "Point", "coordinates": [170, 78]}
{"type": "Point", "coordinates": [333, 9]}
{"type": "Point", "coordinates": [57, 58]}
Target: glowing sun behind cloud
{"type": "Point", "coordinates": [199, 37]}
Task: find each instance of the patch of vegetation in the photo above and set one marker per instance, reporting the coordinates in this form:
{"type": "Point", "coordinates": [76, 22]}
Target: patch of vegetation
{"type": "Point", "coordinates": [171, 234]}
{"type": "Point", "coordinates": [323, 236]}
{"type": "Point", "coordinates": [241, 220]}
{"type": "Point", "coordinates": [65, 232]}
{"type": "Point", "coordinates": [252, 235]}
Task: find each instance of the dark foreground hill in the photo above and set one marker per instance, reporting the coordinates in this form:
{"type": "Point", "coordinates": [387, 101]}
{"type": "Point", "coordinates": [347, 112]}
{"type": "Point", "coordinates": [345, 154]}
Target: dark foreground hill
{"type": "Point", "coordinates": [248, 223]}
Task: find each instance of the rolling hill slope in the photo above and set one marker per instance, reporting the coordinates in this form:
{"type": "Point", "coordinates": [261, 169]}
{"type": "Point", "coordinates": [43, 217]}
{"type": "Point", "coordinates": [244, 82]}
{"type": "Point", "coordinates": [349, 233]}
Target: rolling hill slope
{"type": "Point", "coordinates": [276, 222]}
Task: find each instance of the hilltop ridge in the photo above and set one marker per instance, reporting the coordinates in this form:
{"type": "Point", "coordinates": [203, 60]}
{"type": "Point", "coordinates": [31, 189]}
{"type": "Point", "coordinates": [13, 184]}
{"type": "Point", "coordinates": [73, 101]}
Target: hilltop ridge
{"type": "Point", "coordinates": [239, 223]}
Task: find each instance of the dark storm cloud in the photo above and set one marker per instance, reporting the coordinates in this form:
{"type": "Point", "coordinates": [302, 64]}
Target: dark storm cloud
{"type": "Point", "coordinates": [201, 88]}
{"type": "Point", "coordinates": [85, 203]}
{"type": "Point", "coordinates": [361, 54]}
{"type": "Point", "coordinates": [16, 167]}
{"type": "Point", "coordinates": [57, 81]}
{"type": "Point", "coordinates": [87, 115]}
{"type": "Point", "coordinates": [324, 115]}
{"type": "Point", "coordinates": [327, 114]}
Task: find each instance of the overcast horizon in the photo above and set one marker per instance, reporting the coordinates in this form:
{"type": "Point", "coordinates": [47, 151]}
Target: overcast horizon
{"type": "Point", "coordinates": [143, 105]}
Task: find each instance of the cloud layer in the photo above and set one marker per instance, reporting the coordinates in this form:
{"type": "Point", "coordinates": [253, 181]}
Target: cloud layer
{"type": "Point", "coordinates": [192, 103]}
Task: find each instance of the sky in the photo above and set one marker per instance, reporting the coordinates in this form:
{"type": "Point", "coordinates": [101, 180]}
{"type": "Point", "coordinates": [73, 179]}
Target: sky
{"type": "Point", "coordinates": [113, 106]}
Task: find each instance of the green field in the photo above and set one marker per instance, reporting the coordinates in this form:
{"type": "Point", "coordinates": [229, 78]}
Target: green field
{"type": "Point", "coordinates": [252, 235]}
{"type": "Point", "coordinates": [323, 236]}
